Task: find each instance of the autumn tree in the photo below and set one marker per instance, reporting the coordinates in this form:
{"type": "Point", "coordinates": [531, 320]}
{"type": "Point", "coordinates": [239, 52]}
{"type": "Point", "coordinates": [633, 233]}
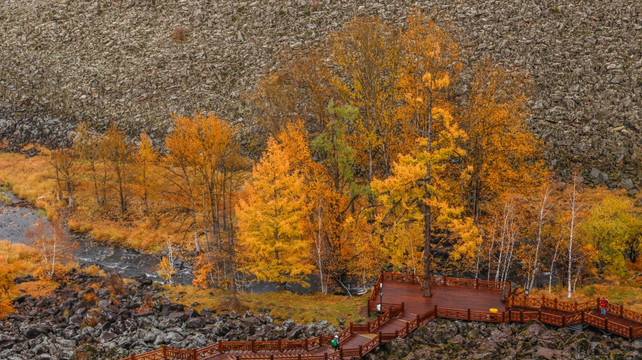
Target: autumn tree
{"type": "Point", "coordinates": [118, 152]}
{"type": "Point", "coordinates": [272, 216]}
{"type": "Point", "coordinates": [429, 60]}
{"type": "Point", "coordinates": [614, 228]}
{"type": "Point", "coordinates": [65, 164]}
{"type": "Point", "coordinates": [54, 243]}
{"type": "Point", "coordinates": [300, 90]}
{"type": "Point", "coordinates": [87, 146]}
{"type": "Point", "coordinates": [367, 53]}
{"type": "Point", "coordinates": [502, 153]}
{"type": "Point", "coordinates": [404, 197]}
{"type": "Point", "coordinates": [181, 175]}
{"type": "Point", "coordinates": [575, 207]}
{"type": "Point", "coordinates": [166, 268]}
{"type": "Point", "coordinates": [146, 158]}
{"type": "Point", "coordinates": [543, 217]}
{"type": "Point", "coordinates": [204, 158]}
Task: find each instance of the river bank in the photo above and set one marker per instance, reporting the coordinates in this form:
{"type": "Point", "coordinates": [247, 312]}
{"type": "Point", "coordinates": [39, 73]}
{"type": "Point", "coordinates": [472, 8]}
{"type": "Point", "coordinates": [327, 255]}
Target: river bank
{"type": "Point", "coordinates": [17, 216]}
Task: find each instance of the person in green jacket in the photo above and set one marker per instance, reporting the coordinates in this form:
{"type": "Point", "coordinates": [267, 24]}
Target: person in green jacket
{"type": "Point", "coordinates": [335, 342]}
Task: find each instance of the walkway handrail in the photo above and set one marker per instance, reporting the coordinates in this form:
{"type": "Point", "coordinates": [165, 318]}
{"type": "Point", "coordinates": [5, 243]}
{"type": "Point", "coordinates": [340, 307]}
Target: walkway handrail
{"type": "Point", "coordinates": [537, 302]}
{"type": "Point", "coordinates": [573, 313]}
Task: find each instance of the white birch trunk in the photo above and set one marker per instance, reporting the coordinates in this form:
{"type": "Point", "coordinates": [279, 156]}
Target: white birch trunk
{"type": "Point", "coordinates": [571, 238]}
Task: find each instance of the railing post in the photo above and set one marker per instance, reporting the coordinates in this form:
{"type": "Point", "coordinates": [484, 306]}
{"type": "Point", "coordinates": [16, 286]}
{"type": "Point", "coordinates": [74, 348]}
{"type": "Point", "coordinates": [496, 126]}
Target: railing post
{"type": "Point", "coordinates": [271, 356]}
{"type": "Point", "coordinates": [606, 324]}
{"type": "Point", "coordinates": [220, 346]}
{"type": "Point", "coordinates": [164, 352]}
{"type": "Point", "coordinates": [555, 304]}
{"type": "Point", "coordinates": [253, 346]}
{"type": "Point", "coordinates": [360, 350]}
{"type": "Point", "coordinates": [133, 357]}
{"type": "Point", "coordinates": [396, 333]}
{"type": "Point", "coordinates": [510, 318]}
{"type": "Point", "coordinates": [563, 320]}
{"type": "Point", "coordinates": [351, 331]}
{"type": "Point", "coordinates": [539, 314]}
{"type": "Point", "coordinates": [340, 353]}
{"type": "Point", "coordinates": [621, 310]}
{"type": "Point", "coordinates": [325, 356]}
{"type": "Point", "coordinates": [380, 337]}
{"type": "Point", "coordinates": [468, 314]}
{"type": "Point", "coordinates": [306, 344]}
{"type": "Point", "coordinates": [280, 346]}
{"type": "Point", "coordinates": [630, 332]}
{"type": "Point", "coordinates": [418, 320]}
{"type": "Point", "coordinates": [521, 316]}
{"type": "Point", "coordinates": [435, 311]}
{"type": "Point", "coordinates": [194, 354]}
{"type": "Point", "coordinates": [299, 357]}
{"type": "Point", "coordinates": [407, 328]}
{"type": "Point", "coordinates": [477, 284]}
{"type": "Point", "coordinates": [368, 308]}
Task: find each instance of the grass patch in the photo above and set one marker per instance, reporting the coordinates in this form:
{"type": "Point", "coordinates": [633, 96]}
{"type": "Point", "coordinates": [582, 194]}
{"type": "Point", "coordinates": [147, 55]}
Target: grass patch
{"type": "Point", "coordinates": [21, 260]}
{"type": "Point", "coordinates": [281, 305]}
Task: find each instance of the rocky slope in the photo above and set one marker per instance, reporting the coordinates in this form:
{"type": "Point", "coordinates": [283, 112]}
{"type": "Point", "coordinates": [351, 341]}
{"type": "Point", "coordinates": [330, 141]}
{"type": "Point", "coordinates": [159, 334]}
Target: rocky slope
{"type": "Point", "coordinates": [446, 339]}
{"type": "Point", "coordinates": [102, 324]}
{"type": "Point", "coordinates": [116, 61]}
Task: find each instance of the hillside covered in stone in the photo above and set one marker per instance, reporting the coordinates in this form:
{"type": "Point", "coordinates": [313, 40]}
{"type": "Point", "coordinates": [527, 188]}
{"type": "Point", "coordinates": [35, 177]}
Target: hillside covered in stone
{"type": "Point", "coordinates": [105, 61]}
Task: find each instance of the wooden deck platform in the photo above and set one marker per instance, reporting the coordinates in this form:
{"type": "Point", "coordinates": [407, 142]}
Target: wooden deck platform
{"type": "Point", "coordinates": [405, 309]}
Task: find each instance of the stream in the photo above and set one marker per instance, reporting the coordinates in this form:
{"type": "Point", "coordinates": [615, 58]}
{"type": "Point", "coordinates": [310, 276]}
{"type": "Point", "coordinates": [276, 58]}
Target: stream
{"type": "Point", "coordinates": [17, 216]}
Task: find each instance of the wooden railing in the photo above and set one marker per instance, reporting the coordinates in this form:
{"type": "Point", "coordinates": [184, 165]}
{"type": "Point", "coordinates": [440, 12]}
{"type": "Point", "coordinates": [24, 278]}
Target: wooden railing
{"type": "Point", "coordinates": [574, 313]}
{"type": "Point", "coordinates": [374, 300]}
{"type": "Point", "coordinates": [537, 302]}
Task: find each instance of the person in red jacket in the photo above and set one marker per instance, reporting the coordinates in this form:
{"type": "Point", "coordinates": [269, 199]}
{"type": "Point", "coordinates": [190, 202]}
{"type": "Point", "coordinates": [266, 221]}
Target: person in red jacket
{"type": "Point", "coordinates": [603, 304]}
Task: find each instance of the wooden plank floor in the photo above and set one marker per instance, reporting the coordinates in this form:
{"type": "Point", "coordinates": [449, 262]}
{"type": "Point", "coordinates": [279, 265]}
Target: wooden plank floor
{"type": "Point", "coordinates": [414, 305]}
{"type": "Point", "coordinates": [444, 297]}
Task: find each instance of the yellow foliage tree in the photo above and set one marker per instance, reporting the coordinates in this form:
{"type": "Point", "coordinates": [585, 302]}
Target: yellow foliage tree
{"type": "Point", "coordinates": [146, 158]}
{"type": "Point", "coordinates": [430, 58]}
{"type": "Point", "coordinates": [166, 269]}
{"type": "Point", "coordinates": [503, 154]}
{"type": "Point", "coordinates": [271, 219]}
{"type": "Point", "coordinates": [367, 52]}
{"type": "Point", "coordinates": [117, 151]}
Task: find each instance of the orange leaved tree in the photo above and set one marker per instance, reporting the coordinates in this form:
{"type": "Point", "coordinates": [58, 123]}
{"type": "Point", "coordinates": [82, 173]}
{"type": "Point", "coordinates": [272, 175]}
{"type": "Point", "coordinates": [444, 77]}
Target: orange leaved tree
{"type": "Point", "coordinates": [272, 218]}
{"type": "Point", "coordinates": [429, 60]}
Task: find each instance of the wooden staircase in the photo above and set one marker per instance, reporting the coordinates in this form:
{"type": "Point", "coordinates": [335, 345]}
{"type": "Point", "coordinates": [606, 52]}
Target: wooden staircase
{"type": "Point", "coordinates": [405, 309]}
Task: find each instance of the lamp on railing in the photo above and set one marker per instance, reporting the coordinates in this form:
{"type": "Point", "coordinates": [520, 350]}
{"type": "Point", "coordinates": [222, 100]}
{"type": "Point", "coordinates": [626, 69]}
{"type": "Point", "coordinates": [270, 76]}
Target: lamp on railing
{"type": "Point", "coordinates": [380, 306]}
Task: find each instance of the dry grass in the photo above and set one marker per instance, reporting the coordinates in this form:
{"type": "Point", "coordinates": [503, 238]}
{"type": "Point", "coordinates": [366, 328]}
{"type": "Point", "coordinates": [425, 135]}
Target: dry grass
{"type": "Point", "coordinates": [33, 179]}
{"type": "Point", "coordinates": [281, 305]}
{"type": "Point", "coordinates": [37, 289]}
{"type": "Point", "coordinates": [22, 260]}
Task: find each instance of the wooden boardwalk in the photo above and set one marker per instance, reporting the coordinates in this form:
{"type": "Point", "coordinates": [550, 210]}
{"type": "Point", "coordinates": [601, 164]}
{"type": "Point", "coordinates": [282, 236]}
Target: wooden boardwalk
{"type": "Point", "coordinates": [405, 309]}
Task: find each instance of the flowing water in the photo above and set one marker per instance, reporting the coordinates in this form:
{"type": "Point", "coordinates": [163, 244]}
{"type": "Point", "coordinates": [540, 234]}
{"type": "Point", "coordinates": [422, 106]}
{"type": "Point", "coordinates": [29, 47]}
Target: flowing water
{"type": "Point", "coordinates": [17, 216]}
